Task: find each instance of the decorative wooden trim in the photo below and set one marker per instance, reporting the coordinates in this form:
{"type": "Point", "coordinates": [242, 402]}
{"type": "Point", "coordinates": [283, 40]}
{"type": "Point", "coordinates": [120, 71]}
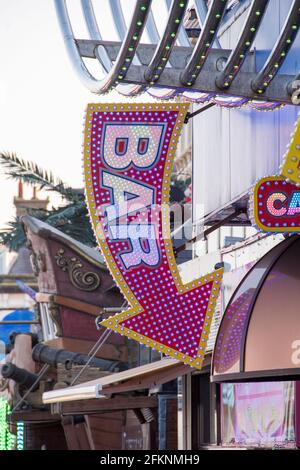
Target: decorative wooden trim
{"type": "Point", "coordinates": [83, 280]}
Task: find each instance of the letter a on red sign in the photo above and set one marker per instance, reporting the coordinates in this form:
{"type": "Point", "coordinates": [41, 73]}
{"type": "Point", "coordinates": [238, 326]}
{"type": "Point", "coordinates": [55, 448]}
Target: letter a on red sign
{"type": "Point", "coordinates": [128, 159]}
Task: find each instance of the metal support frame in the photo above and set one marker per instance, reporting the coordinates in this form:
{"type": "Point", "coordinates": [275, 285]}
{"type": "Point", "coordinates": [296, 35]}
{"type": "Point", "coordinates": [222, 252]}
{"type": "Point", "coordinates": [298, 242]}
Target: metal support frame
{"type": "Point", "coordinates": [245, 41]}
{"type": "Point", "coordinates": [203, 235]}
{"type": "Point", "coordinates": [164, 48]}
{"type": "Point", "coordinates": [205, 41]}
{"type": "Point", "coordinates": [205, 82]}
{"type": "Point", "coordinates": [170, 64]}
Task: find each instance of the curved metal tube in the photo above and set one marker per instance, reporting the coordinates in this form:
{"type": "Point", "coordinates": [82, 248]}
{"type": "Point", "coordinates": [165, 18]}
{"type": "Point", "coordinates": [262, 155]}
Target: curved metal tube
{"type": "Point", "coordinates": [118, 17]}
{"type": "Point", "coordinates": [151, 28]}
{"type": "Point", "coordinates": [205, 41]}
{"type": "Point", "coordinates": [120, 24]}
{"type": "Point", "coordinates": [164, 48]}
{"type": "Point", "coordinates": [202, 10]}
{"type": "Point", "coordinates": [94, 32]}
{"type": "Point", "coordinates": [182, 37]}
{"type": "Point", "coordinates": [126, 53]}
{"type": "Point", "coordinates": [85, 76]}
{"type": "Point", "coordinates": [121, 29]}
{"type": "Point", "coordinates": [280, 50]}
{"type": "Point", "coordinates": [90, 19]}
{"type": "Point", "coordinates": [245, 41]}
{"type": "Point", "coordinates": [154, 37]}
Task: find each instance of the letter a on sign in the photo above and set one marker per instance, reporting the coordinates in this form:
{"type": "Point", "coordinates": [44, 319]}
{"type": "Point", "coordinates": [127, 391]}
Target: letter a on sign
{"type": "Point", "coordinates": [128, 159]}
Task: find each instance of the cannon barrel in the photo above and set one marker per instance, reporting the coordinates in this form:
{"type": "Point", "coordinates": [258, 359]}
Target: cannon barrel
{"type": "Point", "coordinates": [52, 356]}
{"type": "Point", "coordinates": [21, 376]}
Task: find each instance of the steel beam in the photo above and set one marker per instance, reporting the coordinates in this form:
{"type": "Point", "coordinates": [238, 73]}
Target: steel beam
{"type": "Point", "coordinates": [206, 81]}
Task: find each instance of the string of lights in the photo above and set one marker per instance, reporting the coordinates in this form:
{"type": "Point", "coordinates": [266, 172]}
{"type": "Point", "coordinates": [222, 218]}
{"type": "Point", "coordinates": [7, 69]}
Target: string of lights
{"type": "Point", "coordinates": [245, 41]}
{"type": "Point", "coordinates": [182, 37]}
{"type": "Point", "coordinates": [133, 67]}
{"type": "Point", "coordinates": [204, 43]}
{"type": "Point", "coordinates": [164, 48]}
{"type": "Point", "coordinates": [7, 440]}
{"type": "Point", "coordinates": [125, 56]}
{"type": "Point", "coordinates": [20, 435]}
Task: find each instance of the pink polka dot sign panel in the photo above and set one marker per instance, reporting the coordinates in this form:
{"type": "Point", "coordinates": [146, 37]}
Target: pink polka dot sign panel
{"type": "Point", "coordinates": [128, 159]}
{"type": "Point", "coordinates": [275, 205]}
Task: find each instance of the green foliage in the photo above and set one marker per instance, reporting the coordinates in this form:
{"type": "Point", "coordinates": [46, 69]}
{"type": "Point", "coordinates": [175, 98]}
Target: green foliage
{"type": "Point", "coordinates": [72, 218]}
{"type": "Point", "coordinates": [30, 173]}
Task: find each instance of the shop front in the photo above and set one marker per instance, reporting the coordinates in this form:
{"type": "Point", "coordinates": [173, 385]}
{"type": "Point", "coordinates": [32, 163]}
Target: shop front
{"type": "Point", "coordinates": [250, 396]}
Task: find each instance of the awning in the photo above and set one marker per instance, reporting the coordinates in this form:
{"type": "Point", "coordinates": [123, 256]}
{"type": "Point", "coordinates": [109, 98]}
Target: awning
{"type": "Point", "coordinates": [142, 377]}
{"type": "Point", "coordinates": [259, 335]}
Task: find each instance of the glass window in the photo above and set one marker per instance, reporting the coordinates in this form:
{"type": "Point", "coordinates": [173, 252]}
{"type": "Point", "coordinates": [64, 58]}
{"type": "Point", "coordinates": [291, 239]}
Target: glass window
{"type": "Point", "coordinates": [235, 320]}
{"type": "Point", "coordinates": [258, 414]}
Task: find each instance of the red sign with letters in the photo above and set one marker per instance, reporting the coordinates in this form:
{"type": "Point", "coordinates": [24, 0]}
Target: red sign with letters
{"type": "Point", "coordinates": [276, 205]}
{"type": "Point", "coordinates": [129, 151]}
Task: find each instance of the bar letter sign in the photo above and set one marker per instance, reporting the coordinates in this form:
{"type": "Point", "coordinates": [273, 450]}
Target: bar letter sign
{"type": "Point", "coordinates": [128, 160]}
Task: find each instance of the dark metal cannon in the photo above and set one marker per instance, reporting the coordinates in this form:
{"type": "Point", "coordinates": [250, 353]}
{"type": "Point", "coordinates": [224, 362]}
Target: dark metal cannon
{"type": "Point", "coordinates": [21, 376]}
{"type": "Point", "coordinates": [42, 353]}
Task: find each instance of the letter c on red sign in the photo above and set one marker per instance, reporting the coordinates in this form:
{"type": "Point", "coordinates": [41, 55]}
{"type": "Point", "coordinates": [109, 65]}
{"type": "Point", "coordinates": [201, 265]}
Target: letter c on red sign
{"type": "Point", "coordinates": [271, 204]}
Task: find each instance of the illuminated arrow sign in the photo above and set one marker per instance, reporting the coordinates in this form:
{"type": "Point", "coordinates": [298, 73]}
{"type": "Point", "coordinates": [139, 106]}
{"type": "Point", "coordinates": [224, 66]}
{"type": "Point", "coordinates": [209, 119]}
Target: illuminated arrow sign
{"type": "Point", "coordinates": [129, 152]}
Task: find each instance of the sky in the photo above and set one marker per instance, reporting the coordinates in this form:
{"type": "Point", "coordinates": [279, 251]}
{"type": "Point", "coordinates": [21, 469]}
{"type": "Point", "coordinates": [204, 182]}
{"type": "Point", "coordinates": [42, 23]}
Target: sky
{"type": "Point", "coordinates": [42, 102]}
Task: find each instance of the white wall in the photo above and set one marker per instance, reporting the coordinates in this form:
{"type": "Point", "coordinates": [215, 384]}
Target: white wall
{"type": "Point", "coordinates": [234, 148]}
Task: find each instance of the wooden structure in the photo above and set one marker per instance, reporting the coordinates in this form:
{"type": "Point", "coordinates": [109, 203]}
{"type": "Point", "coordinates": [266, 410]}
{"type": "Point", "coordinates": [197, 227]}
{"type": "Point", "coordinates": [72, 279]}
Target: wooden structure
{"type": "Point", "coordinates": [75, 288]}
{"type": "Point", "coordinates": [144, 420]}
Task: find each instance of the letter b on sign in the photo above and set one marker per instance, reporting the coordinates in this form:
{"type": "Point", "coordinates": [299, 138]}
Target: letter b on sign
{"type": "Point", "coordinates": [126, 144]}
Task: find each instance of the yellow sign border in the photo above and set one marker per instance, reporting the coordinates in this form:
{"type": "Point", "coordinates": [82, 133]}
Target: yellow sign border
{"type": "Point", "coordinates": [215, 277]}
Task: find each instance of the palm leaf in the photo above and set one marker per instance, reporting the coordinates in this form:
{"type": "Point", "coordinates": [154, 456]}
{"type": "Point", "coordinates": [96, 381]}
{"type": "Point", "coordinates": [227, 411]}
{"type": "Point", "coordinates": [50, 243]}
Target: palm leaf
{"type": "Point", "coordinates": [72, 219]}
{"type": "Point", "coordinates": [31, 173]}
